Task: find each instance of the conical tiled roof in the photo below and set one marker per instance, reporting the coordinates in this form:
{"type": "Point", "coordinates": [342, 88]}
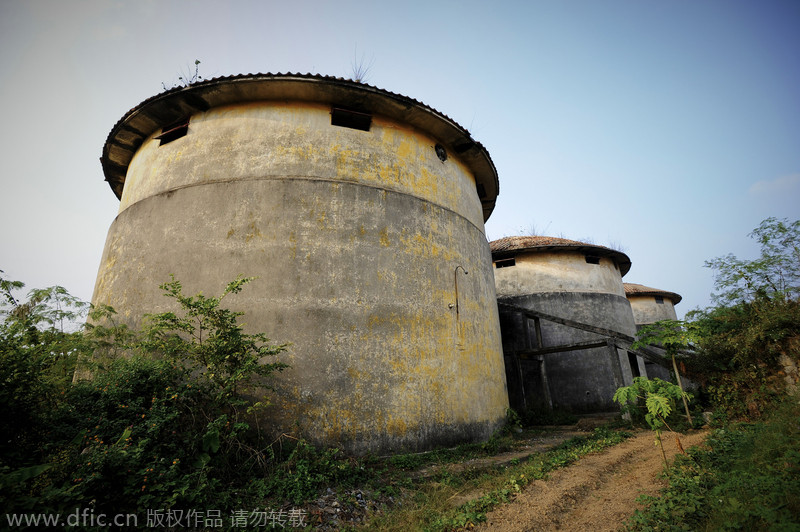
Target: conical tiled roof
{"type": "Point", "coordinates": [633, 289]}
{"type": "Point", "coordinates": [511, 245]}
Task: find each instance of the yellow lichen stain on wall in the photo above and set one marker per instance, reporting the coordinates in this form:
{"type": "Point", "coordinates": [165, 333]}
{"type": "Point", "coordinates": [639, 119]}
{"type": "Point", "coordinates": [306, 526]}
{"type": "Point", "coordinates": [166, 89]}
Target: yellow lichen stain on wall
{"type": "Point", "coordinates": [252, 232]}
{"type": "Point", "coordinates": [293, 244]}
{"type": "Point", "coordinates": [384, 237]}
{"type": "Point", "coordinates": [397, 426]}
{"type": "Point", "coordinates": [322, 220]}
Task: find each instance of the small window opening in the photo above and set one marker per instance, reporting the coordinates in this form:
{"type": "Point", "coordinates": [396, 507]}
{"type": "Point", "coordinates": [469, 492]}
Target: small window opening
{"type": "Point", "coordinates": [634, 362]}
{"type": "Point", "coordinates": [349, 118]}
{"type": "Point", "coordinates": [660, 300]}
{"type": "Point", "coordinates": [481, 190]}
{"type": "Point", "coordinates": [592, 259]}
{"type": "Point", "coordinates": [441, 153]}
{"type": "Point", "coordinates": [174, 131]}
{"type": "Point", "coordinates": [505, 263]}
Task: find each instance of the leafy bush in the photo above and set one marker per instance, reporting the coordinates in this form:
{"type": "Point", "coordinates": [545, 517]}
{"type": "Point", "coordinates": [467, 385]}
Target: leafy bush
{"type": "Point", "coordinates": [163, 431]}
{"type": "Point", "coordinates": [651, 400]}
{"type": "Point", "coordinates": [743, 478]}
{"type": "Point", "coordinates": [739, 352]}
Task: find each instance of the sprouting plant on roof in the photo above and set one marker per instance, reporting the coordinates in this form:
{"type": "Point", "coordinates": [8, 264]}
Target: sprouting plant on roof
{"type": "Point", "coordinates": [534, 230]}
{"type": "Point", "coordinates": [185, 79]}
{"type": "Point", "coordinates": [359, 68]}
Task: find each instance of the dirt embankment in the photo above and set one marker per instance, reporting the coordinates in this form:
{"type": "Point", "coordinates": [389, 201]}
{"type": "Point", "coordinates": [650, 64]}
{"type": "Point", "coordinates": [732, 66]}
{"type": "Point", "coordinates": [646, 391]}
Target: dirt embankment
{"type": "Point", "coordinates": [597, 493]}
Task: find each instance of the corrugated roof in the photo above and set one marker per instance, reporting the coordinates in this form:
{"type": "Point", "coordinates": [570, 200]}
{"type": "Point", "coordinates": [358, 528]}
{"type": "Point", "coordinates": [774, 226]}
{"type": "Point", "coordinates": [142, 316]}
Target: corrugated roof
{"type": "Point", "coordinates": [169, 106]}
{"type": "Point", "coordinates": [511, 245]}
{"type": "Point", "coordinates": [634, 289]}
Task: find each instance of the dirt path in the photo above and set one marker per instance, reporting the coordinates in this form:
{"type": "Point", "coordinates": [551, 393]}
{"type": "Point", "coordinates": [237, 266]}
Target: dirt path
{"type": "Point", "coordinates": [598, 493]}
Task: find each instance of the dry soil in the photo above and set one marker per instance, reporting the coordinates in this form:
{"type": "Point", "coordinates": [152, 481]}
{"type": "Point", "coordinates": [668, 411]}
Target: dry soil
{"type": "Point", "coordinates": [597, 493]}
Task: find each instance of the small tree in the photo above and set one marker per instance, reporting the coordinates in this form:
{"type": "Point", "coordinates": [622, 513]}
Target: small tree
{"type": "Point", "coordinates": [773, 275]}
{"type": "Point", "coordinates": [38, 351]}
{"type": "Point", "coordinates": [207, 338]}
{"type": "Point", "coordinates": [651, 399]}
{"type": "Point", "coordinates": [674, 336]}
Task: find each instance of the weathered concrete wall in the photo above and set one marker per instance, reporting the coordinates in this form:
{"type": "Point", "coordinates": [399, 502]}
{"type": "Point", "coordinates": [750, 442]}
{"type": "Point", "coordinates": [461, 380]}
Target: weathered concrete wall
{"type": "Point", "coordinates": [563, 284]}
{"type": "Point", "coordinates": [646, 310]}
{"type": "Point", "coordinates": [557, 271]}
{"type": "Point", "coordinates": [358, 239]}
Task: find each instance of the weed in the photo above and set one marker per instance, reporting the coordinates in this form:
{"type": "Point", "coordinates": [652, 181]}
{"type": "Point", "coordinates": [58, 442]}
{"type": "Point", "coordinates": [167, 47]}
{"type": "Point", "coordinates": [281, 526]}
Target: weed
{"type": "Point", "coordinates": [745, 478]}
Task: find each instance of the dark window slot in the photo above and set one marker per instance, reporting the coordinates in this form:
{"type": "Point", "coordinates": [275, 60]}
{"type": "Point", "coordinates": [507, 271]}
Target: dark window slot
{"type": "Point", "coordinates": [634, 362]}
{"type": "Point", "coordinates": [660, 300]}
{"type": "Point", "coordinates": [174, 131]}
{"type": "Point", "coordinates": [349, 118]}
{"type": "Point", "coordinates": [592, 259]}
{"type": "Point", "coordinates": [505, 263]}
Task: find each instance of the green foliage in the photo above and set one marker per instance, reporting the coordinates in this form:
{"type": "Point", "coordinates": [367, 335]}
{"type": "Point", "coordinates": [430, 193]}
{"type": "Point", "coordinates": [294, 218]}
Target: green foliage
{"type": "Point", "coordinates": [307, 471]}
{"type": "Point", "coordinates": [144, 432]}
{"type": "Point", "coordinates": [744, 478]}
{"type": "Point", "coordinates": [673, 335]}
{"type": "Point", "coordinates": [208, 338]}
{"type": "Point", "coordinates": [773, 275]}
{"type": "Point", "coordinates": [737, 345]}
{"type": "Point", "coordinates": [38, 352]}
{"type": "Point", "coordinates": [517, 477]}
{"type": "Point", "coordinates": [651, 400]}
{"type": "Point", "coordinates": [739, 352]}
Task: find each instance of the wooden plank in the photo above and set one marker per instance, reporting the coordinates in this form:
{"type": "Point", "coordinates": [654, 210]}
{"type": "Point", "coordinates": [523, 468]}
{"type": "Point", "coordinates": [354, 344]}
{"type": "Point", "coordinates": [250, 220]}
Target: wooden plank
{"type": "Point", "coordinates": [528, 354]}
{"type": "Point", "coordinates": [616, 365]}
{"type": "Point", "coordinates": [646, 353]}
{"type": "Point", "coordinates": [533, 314]}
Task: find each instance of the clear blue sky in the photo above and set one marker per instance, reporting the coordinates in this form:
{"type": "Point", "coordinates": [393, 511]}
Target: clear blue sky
{"type": "Point", "coordinates": [669, 129]}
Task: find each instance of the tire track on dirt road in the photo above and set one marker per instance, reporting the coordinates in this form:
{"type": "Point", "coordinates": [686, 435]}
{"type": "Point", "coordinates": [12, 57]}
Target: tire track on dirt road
{"type": "Point", "coordinates": [596, 493]}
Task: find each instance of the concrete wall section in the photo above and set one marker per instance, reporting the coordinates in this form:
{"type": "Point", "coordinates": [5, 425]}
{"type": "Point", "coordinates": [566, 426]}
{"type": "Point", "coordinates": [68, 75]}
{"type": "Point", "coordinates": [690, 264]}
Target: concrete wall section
{"type": "Point", "coordinates": [580, 381]}
{"type": "Point", "coordinates": [278, 140]}
{"type": "Point", "coordinates": [647, 310]}
{"type": "Point", "coordinates": [360, 279]}
{"type": "Point", "coordinates": [557, 271]}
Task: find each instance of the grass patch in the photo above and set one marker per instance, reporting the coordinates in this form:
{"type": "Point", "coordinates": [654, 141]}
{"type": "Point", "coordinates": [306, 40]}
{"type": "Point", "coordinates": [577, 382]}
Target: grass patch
{"type": "Point", "coordinates": [498, 443]}
{"type": "Point", "coordinates": [434, 504]}
{"type": "Point", "coordinates": [744, 478]}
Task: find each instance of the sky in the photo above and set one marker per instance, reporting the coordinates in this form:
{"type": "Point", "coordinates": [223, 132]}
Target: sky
{"type": "Point", "coordinates": [668, 130]}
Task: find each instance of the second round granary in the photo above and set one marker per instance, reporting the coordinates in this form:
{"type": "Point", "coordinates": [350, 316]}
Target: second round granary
{"type": "Point", "coordinates": [650, 305]}
{"type": "Point", "coordinates": [581, 284]}
{"type": "Point", "coordinates": [361, 213]}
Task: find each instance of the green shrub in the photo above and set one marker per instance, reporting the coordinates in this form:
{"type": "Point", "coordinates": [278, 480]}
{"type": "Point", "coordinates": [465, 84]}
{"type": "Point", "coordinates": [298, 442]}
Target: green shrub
{"type": "Point", "coordinates": [166, 430]}
{"type": "Point", "coordinates": [744, 478]}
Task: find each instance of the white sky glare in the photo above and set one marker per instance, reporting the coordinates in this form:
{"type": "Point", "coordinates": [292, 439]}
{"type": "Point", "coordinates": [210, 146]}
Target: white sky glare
{"type": "Point", "coordinates": [669, 129]}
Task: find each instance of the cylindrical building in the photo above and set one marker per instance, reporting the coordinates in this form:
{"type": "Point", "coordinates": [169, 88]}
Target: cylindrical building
{"type": "Point", "coordinates": [581, 284]}
{"type": "Point", "coordinates": [650, 305]}
{"type": "Point", "coordinates": [362, 214]}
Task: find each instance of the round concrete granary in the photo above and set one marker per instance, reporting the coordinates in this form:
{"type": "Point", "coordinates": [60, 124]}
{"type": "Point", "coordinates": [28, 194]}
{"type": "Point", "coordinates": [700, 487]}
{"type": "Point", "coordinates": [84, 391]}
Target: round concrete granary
{"type": "Point", "coordinates": [557, 354]}
{"type": "Point", "coordinates": [361, 213]}
{"type": "Point", "coordinates": [650, 305]}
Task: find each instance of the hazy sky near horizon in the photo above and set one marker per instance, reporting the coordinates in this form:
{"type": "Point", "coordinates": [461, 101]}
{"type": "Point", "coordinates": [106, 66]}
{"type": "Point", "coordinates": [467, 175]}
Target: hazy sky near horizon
{"type": "Point", "coordinates": [666, 129]}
